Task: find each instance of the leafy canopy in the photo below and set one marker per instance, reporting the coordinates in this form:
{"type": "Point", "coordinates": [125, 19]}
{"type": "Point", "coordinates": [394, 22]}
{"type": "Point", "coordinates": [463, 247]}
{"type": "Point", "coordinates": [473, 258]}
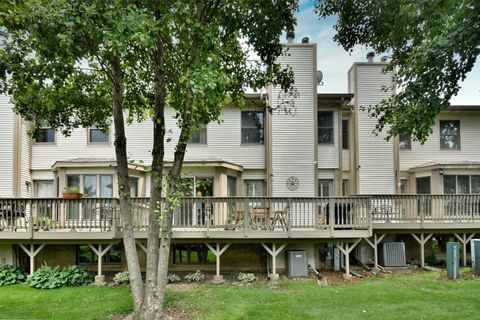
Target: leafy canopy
{"type": "Point", "coordinates": [433, 44]}
{"type": "Point", "coordinates": [56, 63]}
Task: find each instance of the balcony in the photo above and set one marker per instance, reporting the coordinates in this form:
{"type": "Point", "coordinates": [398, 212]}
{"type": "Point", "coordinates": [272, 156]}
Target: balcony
{"type": "Point", "coordinates": [241, 217]}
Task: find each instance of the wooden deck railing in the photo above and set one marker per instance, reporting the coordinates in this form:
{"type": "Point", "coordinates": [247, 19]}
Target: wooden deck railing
{"type": "Point", "coordinates": [242, 213]}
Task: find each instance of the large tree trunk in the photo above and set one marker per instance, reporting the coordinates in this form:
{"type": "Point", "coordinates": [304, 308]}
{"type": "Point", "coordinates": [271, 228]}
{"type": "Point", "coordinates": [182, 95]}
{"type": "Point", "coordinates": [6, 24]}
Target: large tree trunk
{"type": "Point", "coordinates": [124, 186]}
{"type": "Point", "coordinates": [151, 309]}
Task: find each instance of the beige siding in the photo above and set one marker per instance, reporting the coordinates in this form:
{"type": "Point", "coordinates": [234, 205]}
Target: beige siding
{"type": "Point", "coordinates": [223, 142]}
{"type": "Point", "coordinates": [376, 156]}
{"type": "Point", "coordinates": [6, 147]}
{"type": "Point", "coordinates": [25, 191]}
{"type": "Point", "coordinates": [430, 151]}
{"type": "Point", "coordinates": [293, 137]}
{"type": "Point", "coordinates": [346, 160]}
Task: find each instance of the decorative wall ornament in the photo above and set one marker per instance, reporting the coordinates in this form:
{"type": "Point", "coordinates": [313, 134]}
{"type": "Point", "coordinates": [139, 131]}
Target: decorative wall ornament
{"type": "Point", "coordinates": [292, 183]}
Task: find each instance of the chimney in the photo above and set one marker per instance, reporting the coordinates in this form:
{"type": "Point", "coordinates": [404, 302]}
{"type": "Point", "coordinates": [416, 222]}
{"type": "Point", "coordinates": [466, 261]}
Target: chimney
{"type": "Point", "coordinates": [370, 56]}
{"type": "Point", "coordinates": [290, 36]}
{"type": "Point", "coordinates": [305, 40]}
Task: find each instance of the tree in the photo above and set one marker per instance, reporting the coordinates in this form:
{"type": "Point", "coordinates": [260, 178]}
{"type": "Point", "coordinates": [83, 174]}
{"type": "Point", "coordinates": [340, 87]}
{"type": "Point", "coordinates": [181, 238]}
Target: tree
{"type": "Point", "coordinates": [432, 45]}
{"type": "Point", "coordinates": [68, 62]}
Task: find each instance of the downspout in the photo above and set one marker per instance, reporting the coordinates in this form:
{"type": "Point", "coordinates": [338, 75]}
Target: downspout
{"type": "Point", "coordinates": [269, 142]}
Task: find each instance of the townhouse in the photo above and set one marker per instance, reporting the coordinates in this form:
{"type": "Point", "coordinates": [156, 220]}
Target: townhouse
{"type": "Point", "coordinates": [263, 180]}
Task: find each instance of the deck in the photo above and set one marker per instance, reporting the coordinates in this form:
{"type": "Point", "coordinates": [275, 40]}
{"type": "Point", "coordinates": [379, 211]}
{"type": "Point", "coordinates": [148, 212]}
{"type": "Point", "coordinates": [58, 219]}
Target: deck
{"type": "Point", "coordinates": [242, 218]}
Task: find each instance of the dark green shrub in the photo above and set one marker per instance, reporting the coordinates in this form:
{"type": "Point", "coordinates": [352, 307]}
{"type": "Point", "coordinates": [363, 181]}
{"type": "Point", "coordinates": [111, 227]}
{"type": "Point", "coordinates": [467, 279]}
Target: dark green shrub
{"type": "Point", "coordinates": [53, 277]}
{"type": "Point", "coordinates": [11, 275]}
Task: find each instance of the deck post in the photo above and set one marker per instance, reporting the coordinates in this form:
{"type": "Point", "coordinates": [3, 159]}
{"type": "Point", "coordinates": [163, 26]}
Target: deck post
{"type": "Point", "coordinates": [374, 245]}
{"type": "Point", "coordinates": [31, 252]}
{"type": "Point", "coordinates": [274, 252]}
{"type": "Point", "coordinates": [422, 240]}
{"type": "Point", "coordinates": [100, 252]}
{"type": "Point", "coordinates": [346, 252]}
{"type": "Point", "coordinates": [217, 252]}
{"type": "Point", "coordinates": [464, 240]}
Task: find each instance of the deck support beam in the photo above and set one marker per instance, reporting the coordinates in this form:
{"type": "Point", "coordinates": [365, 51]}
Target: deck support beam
{"type": "Point", "coordinates": [376, 240]}
{"type": "Point", "coordinates": [100, 252]}
{"type": "Point", "coordinates": [422, 240]}
{"type": "Point", "coordinates": [138, 243]}
{"type": "Point", "coordinates": [346, 248]}
{"type": "Point", "coordinates": [32, 252]}
{"type": "Point", "coordinates": [218, 252]}
{"type": "Point", "coordinates": [464, 239]}
{"type": "Point", "coordinates": [274, 251]}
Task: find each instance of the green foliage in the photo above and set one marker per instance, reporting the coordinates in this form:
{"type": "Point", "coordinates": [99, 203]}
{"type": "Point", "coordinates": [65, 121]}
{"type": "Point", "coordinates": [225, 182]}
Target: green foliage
{"type": "Point", "coordinates": [72, 190]}
{"type": "Point", "coordinates": [172, 277]}
{"type": "Point", "coordinates": [431, 258]}
{"type": "Point", "coordinates": [432, 46]}
{"type": "Point", "coordinates": [11, 275]}
{"type": "Point", "coordinates": [48, 277]}
{"type": "Point", "coordinates": [246, 277]}
{"type": "Point", "coordinates": [121, 278]}
{"type": "Point", "coordinates": [197, 276]}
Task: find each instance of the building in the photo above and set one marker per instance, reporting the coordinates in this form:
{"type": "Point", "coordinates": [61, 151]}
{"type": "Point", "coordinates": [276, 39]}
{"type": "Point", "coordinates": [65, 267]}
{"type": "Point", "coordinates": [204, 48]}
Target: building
{"type": "Point", "coordinates": [263, 181]}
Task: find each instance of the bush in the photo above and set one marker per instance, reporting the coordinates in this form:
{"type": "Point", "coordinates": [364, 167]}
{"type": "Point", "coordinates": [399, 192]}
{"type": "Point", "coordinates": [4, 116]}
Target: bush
{"type": "Point", "coordinates": [171, 278]}
{"type": "Point", "coordinates": [53, 277]}
{"type": "Point", "coordinates": [195, 277]}
{"type": "Point", "coordinates": [121, 278]}
{"type": "Point", "coordinates": [11, 275]}
{"type": "Point", "coordinates": [246, 277]}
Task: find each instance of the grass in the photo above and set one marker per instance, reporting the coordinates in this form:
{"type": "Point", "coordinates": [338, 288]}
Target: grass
{"type": "Point", "coordinates": [420, 296]}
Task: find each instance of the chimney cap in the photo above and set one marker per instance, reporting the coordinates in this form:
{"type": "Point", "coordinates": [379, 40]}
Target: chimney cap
{"type": "Point", "coordinates": [290, 36]}
{"type": "Point", "coordinates": [370, 56]}
{"type": "Point", "coordinates": [305, 40]}
{"type": "Point", "coordinates": [384, 58]}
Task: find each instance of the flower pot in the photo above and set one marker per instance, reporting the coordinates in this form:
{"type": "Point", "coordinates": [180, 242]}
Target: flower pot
{"type": "Point", "coordinates": [74, 196]}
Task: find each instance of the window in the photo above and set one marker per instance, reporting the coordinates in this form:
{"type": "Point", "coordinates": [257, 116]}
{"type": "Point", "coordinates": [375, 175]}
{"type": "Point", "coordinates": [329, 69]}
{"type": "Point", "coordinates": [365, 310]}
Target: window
{"type": "Point", "coordinates": [106, 186]}
{"type": "Point", "coordinates": [85, 255]}
{"type": "Point", "coordinates": [45, 133]}
{"type": "Point", "coordinates": [461, 184]}
{"type": "Point", "coordinates": [345, 134]}
{"type": "Point", "coordinates": [403, 186]}
{"type": "Point", "coordinates": [255, 188]}
{"type": "Point", "coordinates": [325, 127]}
{"type": "Point", "coordinates": [325, 188]}
{"type": "Point", "coordinates": [404, 141]}
{"type": "Point", "coordinates": [423, 185]}
{"type": "Point", "coordinates": [133, 187]}
{"type": "Point", "coordinates": [73, 181]}
{"type": "Point", "coordinates": [199, 136]}
{"type": "Point", "coordinates": [345, 189]}
{"type": "Point", "coordinates": [192, 254]}
{"type": "Point", "coordinates": [231, 186]}
{"type": "Point", "coordinates": [44, 189]}
{"type": "Point", "coordinates": [90, 186]}
{"type": "Point", "coordinates": [96, 135]}
{"type": "Point", "coordinates": [450, 134]}
{"type": "Point", "coordinates": [252, 127]}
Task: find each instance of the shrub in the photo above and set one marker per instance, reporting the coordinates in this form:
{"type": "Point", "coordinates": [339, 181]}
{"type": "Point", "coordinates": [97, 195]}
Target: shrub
{"type": "Point", "coordinates": [246, 277]}
{"type": "Point", "coordinates": [121, 278]}
{"type": "Point", "coordinates": [11, 275]}
{"type": "Point", "coordinates": [195, 277]}
{"type": "Point", "coordinates": [53, 277]}
{"type": "Point", "coordinates": [171, 278]}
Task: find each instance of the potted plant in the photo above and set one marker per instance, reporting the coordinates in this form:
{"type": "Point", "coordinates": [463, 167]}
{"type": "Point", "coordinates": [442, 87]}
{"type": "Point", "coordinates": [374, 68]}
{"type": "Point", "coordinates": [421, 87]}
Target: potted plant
{"type": "Point", "coordinates": [72, 193]}
{"type": "Point", "coordinates": [44, 222]}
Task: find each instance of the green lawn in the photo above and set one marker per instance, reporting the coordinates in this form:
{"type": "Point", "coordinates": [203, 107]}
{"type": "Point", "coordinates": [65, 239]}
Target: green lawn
{"type": "Point", "coordinates": [422, 296]}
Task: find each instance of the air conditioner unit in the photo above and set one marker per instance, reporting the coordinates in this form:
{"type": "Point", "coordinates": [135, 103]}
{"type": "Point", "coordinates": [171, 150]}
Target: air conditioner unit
{"type": "Point", "coordinates": [392, 254]}
{"type": "Point", "coordinates": [297, 263]}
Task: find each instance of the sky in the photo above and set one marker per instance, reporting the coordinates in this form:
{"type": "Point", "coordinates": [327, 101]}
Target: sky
{"type": "Point", "coordinates": [335, 62]}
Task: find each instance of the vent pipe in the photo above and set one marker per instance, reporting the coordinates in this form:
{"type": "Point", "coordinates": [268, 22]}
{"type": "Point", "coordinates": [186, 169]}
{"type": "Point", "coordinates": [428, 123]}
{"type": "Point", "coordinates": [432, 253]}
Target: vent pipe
{"type": "Point", "coordinates": [370, 56]}
{"type": "Point", "coordinates": [290, 36]}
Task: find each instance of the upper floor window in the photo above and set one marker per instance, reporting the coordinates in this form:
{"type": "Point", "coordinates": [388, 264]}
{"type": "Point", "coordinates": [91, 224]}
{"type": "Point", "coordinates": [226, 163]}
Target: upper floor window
{"type": "Point", "coordinates": [325, 127]}
{"type": "Point", "coordinates": [253, 127]}
{"type": "Point", "coordinates": [133, 187]}
{"type": "Point", "coordinates": [404, 141]}
{"type": "Point", "coordinates": [45, 132]}
{"type": "Point", "coordinates": [450, 134]}
{"type": "Point", "coordinates": [199, 136]}
{"type": "Point", "coordinates": [345, 141]}
{"type": "Point", "coordinates": [96, 135]}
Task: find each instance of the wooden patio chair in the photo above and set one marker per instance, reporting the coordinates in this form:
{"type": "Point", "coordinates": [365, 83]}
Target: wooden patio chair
{"type": "Point", "coordinates": [280, 217]}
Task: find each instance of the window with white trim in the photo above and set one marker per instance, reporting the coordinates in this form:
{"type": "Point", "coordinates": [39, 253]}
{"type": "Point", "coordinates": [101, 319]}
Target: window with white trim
{"type": "Point", "coordinates": [97, 135]}
{"type": "Point", "coordinates": [325, 127]}
{"type": "Point", "coordinates": [449, 134]}
{"type": "Point", "coordinates": [255, 188]}
{"type": "Point", "coordinates": [199, 136]}
{"type": "Point", "coordinates": [253, 126]}
{"type": "Point", "coordinates": [45, 133]}
{"type": "Point", "coordinates": [461, 184]}
{"type": "Point", "coordinates": [325, 187]}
